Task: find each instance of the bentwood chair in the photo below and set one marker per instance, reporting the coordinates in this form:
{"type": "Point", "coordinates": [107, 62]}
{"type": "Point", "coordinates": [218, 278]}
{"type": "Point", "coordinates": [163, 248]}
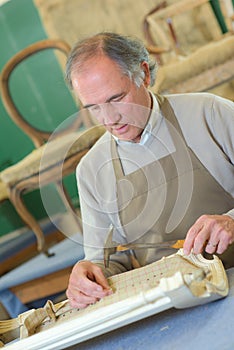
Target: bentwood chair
{"type": "Point", "coordinates": [53, 158]}
{"type": "Point", "coordinates": [196, 44]}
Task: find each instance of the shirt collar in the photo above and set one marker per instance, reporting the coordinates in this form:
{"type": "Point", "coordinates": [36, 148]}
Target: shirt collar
{"type": "Point", "coordinates": [152, 120]}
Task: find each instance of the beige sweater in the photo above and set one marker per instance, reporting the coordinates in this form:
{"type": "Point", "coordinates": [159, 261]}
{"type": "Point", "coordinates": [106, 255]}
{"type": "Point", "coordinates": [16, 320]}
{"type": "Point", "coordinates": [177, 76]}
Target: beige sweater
{"type": "Point", "coordinates": [207, 123]}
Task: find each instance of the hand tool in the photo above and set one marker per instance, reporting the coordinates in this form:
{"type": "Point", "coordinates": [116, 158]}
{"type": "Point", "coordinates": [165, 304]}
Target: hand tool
{"type": "Point", "coordinates": [111, 247]}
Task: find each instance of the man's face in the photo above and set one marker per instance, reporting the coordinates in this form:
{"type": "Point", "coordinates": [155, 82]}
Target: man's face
{"type": "Point", "coordinates": [113, 98]}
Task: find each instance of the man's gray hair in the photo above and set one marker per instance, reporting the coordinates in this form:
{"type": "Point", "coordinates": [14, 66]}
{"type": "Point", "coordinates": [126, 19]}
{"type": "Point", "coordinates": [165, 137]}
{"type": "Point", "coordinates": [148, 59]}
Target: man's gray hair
{"type": "Point", "coordinates": [126, 51]}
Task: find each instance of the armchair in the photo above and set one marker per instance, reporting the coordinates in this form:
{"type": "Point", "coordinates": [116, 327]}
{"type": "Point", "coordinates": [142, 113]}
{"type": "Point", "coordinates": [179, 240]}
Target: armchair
{"type": "Point", "coordinates": [198, 53]}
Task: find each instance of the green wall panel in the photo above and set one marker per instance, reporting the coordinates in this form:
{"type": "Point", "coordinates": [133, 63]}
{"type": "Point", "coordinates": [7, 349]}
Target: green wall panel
{"type": "Point", "coordinates": [40, 93]}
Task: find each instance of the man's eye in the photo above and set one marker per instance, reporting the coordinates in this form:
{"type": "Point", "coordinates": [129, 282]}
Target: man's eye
{"type": "Point", "coordinates": [94, 108]}
{"type": "Point", "coordinates": [119, 99]}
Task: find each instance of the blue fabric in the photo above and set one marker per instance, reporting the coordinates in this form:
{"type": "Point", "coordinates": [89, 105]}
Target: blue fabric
{"type": "Point", "coordinates": [66, 253]}
{"type": "Point", "coordinates": [11, 246]}
{"type": "Point", "coordinates": [12, 304]}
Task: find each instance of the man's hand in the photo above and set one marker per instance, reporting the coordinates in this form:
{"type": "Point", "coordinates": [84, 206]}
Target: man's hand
{"type": "Point", "coordinates": [87, 284]}
{"type": "Point", "coordinates": [214, 233]}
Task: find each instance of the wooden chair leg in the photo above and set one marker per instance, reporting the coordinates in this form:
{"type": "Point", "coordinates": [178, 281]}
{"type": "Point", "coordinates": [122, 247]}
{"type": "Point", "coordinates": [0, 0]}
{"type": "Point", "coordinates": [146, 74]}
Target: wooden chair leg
{"type": "Point", "coordinates": [16, 199]}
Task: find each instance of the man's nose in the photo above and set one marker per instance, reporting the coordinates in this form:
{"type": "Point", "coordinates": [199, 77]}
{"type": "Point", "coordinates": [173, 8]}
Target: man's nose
{"type": "Point", "coordinates": [110, 114]}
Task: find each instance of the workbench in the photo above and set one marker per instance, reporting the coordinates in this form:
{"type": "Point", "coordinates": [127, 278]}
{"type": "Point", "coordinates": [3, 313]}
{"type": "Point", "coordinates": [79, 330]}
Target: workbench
{"type": "Point", "coordinates": [206, 327]}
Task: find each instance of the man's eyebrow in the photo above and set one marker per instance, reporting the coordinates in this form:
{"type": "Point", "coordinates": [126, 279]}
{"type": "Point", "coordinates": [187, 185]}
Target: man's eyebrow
{"type": "Point", "coordinates": [114, 97]}
{"type": "Point", "coordinates": [87, 106]}
{"type": "Point", "coordinates": [108, 100]}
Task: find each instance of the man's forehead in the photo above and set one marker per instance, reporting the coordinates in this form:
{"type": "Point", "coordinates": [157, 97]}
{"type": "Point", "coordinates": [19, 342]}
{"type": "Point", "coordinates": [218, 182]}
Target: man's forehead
{"type": "Point", "coordinates": [100, 89]}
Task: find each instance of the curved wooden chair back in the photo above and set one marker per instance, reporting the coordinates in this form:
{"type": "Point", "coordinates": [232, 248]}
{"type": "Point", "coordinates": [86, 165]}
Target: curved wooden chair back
{"type": "Point", "coordinates": [39, 137]}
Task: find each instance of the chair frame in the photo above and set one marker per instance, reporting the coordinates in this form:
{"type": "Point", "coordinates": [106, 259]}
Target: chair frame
{"type": "Point", "coordinates": [215, 74]}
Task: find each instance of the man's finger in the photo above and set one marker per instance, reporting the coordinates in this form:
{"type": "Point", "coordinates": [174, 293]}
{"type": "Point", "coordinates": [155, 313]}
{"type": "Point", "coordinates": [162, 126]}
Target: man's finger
{"type": "Point", "coordinates": [101, 279]}
{"type": "Point", "coordinates": [211, 247]}
{"type": "Point", "coordinates": [91, 288]}
{"type": "Point", "coordinates": [190, 238]}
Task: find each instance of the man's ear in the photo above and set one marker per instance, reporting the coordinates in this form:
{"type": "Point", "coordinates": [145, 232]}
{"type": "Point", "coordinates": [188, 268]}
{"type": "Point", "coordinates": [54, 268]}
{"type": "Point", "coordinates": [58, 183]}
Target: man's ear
{"type": "Point", "coordinates": [145, 69]}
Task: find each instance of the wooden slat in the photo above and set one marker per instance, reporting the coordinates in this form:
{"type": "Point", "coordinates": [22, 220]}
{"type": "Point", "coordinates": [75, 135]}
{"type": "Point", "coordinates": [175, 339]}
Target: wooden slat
{"type": "Point", "coordinates": [43, 287]}
{"type": "Point", "coordinates": [178, 8]}
{"type": "Point", "coordinates": [28, 252]}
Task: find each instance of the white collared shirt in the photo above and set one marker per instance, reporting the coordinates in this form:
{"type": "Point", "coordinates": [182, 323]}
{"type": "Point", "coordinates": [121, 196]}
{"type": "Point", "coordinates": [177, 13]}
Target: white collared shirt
{"type": "Point", "coordinates": [150, 145]}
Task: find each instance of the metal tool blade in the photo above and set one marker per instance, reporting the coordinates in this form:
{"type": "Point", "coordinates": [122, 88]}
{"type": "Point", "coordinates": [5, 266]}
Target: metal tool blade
{"type": "Point", "coordinates": [109, 247]}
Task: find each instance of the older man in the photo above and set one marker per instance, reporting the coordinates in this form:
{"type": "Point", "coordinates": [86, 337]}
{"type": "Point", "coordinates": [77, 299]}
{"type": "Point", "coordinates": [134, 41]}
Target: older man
{"type": "Point", "coordinates": [163, 170]}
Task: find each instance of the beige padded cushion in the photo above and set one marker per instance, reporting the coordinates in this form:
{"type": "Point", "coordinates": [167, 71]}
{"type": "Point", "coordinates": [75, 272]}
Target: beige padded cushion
{"type": "Point", "coordinates": [51, 154]}
{"type": "Point", "coordinates": [206, 57]}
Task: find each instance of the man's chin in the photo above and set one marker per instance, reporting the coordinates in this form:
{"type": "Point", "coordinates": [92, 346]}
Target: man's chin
{"type": "Point", "coordinates": [128, 138]}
